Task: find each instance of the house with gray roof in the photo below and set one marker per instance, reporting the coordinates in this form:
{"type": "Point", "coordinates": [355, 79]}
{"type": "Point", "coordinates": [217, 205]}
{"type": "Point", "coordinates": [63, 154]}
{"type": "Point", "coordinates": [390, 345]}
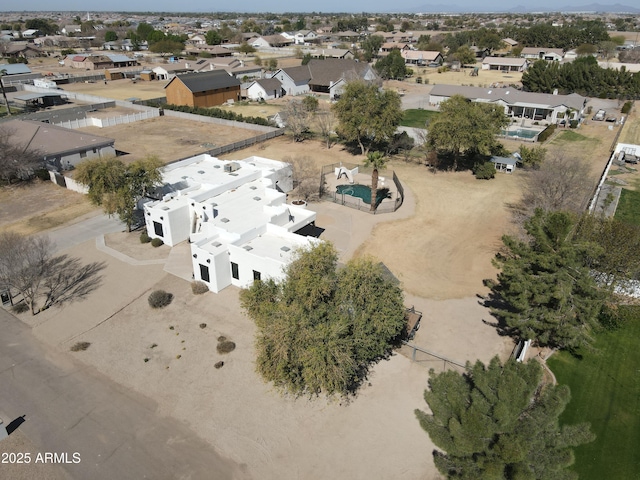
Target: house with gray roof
{"type": "Point", "coordinates": [504, 64]}
{"type": "Point", "coordinates": [540, 53]}
{"type": "Point", "coordinates": [323, 76]}
{"type": "Point", "coordinates": [264, 89]}
{"type": "Point", "coordinates": [61, 148]}
{"type": "Point", "coordinates": [544, 107]}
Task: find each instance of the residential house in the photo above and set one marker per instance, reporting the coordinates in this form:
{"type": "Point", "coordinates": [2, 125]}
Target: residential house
{"type": "Point", "coordinates": [323, 76]}
{"type": "Point", "coordinates": [22, 49]}
{"type": "Point", "coordinates": [271, 41]}
{"type": "Point", "coordinates": [422, 58]}
{"type": "Point", "coordinates": [387, 47]}
{"type": "Point", "coordinates": [31, 33]}
{"type": "Point", "coordinates": [542, 107]}
{"type": "Point", "coordinates": [510, 43]}
{"type": "Point", "coordinates": [197, 40]}
{"type": "Point", "coordinates": [264, 89]}
{"type": "Point", "coordinates": [203, 89]}
{"type": "Point", "coordinates": [331, 53]}
{"type": "Point", "coordinates": [234, 215]}
{"type": "Point", "coordinates": [304, 37]}
{"type": "Point", "coordinates": [167, 71]}
{"type": "Point", "coordinates": [213, 50]}
{"type": "Point", "coordinates": [539, 53]}
{"type": "Point", "coordinates": [99, 62]}
{"type": "Point", "coordinates": [70, 30]}
{"type": "Point", "coordinates": [61, 148]}
{"type": "Point", "coordinates": [505, 64]}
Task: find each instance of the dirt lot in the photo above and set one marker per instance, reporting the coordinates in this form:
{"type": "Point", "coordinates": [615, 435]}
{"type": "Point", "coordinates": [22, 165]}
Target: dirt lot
{"type": "Point", "coordinates": [169, 138]}
{"type": "Point", "coordinates": [120, 89]}
{"type": "Point", "coordinates": [37, 206]}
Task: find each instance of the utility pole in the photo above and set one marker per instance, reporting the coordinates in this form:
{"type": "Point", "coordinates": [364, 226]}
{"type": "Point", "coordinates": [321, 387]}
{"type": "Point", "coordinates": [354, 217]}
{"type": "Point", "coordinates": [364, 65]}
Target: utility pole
{"type": "Point", "coordinates": [4, 94]}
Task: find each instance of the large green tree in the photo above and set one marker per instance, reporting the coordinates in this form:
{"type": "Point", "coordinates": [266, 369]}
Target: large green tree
{"type": "Point", "coordinates": [464, 126]}
{"type": "Point", "coordinates": [367, 114]}
{"type": "Point", "coordinates": [117, 186]}
{"type": "Point", "coordinates": [545, 290]}
{"type": "Point", "coordinates": [391, 66]}
{"type": "Point", "coordinates": [322, 326]}
{"type": "Point", "coordinates": [499, 422]}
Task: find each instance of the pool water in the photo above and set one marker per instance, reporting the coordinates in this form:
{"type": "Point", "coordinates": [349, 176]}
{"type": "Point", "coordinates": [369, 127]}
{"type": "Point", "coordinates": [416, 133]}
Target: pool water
{"type": "Point", "coordinates": [363, 192]}
{"type": "Point", "coordinates": [521, 133]}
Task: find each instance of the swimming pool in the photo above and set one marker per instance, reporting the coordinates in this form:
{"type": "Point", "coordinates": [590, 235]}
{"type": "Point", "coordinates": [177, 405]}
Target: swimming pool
{"type": "Point", "coordinates": [521, 133]}
{"type": "Point", "coordinates": [363, 192]}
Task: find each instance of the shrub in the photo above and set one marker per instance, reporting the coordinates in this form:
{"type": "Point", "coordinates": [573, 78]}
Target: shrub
{"type": "Point", "coordinates": [203, 325]}
{"type": "Point", "coordinates": [226, 346]}
{"type": "Point", "coordinates": [418, 79]}
{"type": "Point", "coordinates": [20, 308]}
{"type": "Point", "coordinates": [80, 346]}
{"type": "Point", "coordinates": [160, 299]}
{"type": "Point", "coordinates": [484, 171]}
{"type": "Point", "coordinates": [573, 124]}
{"type": "Point", "coordinates": [42, 174]}
{"type": "Point", "coordinates": [546, 133]}
{"type": "Point", "coordinates": [219, 364]}
{"type": "Point", "coordinates": [144, 237]}
{"type": "Point", "coordinates": [156, 242]}
{"type": "Point", "coordinates": [198, 287]}
{"type": "Point", "coordinates": [626, 108]}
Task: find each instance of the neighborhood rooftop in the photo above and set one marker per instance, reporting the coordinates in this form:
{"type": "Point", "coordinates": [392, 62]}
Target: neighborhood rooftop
{"type": "Point", "coordinates": [510, 96]}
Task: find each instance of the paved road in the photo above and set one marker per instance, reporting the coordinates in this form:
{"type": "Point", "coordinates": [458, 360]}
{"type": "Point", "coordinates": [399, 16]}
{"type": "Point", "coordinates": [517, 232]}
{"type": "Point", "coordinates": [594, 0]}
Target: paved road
{"type": "Point", "coordinates": [70, 408]}
{"type": "Point", "coordinates": [88, 229]}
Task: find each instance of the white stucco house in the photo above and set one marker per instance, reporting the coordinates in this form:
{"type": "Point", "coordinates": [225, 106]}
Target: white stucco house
{"type": "Point", "coordinates": [234, 215]}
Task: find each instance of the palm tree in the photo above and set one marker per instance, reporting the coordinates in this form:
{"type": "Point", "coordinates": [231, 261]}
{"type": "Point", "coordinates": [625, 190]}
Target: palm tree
{"type": "Point", "coordinates": [377, 160]}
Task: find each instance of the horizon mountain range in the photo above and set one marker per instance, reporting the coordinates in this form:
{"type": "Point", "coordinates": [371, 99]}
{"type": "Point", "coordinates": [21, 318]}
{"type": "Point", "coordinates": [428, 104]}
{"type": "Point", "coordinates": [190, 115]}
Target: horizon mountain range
{"type": "Point", "coordinates": [591, 7]}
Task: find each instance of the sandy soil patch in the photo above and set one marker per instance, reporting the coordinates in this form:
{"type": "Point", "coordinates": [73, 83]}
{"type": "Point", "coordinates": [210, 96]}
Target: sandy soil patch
{"type": "Point", "coordinates": [170, 138]}
{"type": "Point", "coordinates": [129, 244]}
{"type": "Point", "coordinates": [119, 89]}
{"type": "Point", "coordinates": [33, 207]}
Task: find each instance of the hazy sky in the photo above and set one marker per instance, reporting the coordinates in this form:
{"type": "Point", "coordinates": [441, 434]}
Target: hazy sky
{"type": "Point", "coordinates": [278, 6]}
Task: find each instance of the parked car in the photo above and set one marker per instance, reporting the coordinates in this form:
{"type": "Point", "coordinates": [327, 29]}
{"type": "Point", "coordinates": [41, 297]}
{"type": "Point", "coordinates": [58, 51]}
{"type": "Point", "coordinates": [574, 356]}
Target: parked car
{"type": "Point", "coordinates": [600, 115]}
{"type": "Point", "coordinates": [611, 119]}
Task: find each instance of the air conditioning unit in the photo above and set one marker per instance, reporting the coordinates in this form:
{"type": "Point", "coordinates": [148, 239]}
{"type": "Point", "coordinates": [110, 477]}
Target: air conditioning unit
{"type": "Point", "coordinates": [231, 167]}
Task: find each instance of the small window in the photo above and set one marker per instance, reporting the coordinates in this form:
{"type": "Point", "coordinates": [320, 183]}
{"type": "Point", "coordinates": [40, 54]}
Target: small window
{"type": "Point", "coordinates": [157, 228]}
{"type": "Point", "coordinates": [234, 271]}
{"type": "Point", "coordinates": [256, 275]}
{"type": "Point", "coordinates": [204, 273]}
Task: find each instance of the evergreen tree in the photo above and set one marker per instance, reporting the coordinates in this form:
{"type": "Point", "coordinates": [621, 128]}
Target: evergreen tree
{"type": "Point", "coordinates": [545, 290]}
{"type": "Point", "coordinates": [498, 422]}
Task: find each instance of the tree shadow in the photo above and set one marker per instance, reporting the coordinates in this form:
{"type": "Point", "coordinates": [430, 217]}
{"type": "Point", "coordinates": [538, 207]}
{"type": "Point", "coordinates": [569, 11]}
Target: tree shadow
{"type": "Point", "coordinates": [493, 301]}
{"type": "Point", "coordinates": [69, 280]}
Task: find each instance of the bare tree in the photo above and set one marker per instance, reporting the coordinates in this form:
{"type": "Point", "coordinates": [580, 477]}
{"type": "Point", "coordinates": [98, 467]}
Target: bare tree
{"type": "Point", "coordinates": [325, 121]}
{"type": "Point", "coordinates": [17, 160]}
{"type": "Point", "coordinates": [27, 265]}
{"type": "Point", "coordinates": [560, 183]}
{"type": "Point", "coordinates": [306, 177]}
{"type": "Point", "coordinates": [298, 120]}
{"type": "Point", "coordinates": [24, 263]}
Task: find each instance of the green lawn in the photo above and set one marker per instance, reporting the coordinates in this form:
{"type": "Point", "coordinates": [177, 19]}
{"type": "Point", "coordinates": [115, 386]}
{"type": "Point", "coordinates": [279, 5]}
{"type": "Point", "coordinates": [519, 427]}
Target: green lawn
{"type": "Point", "coordinates": [417, 117]}
{"type": "Point", "coordinates": [605, 391]}
{"type": "Point", "coordinates": [628, 209]}
{"type": "Point", "coordinates": [569, 136]}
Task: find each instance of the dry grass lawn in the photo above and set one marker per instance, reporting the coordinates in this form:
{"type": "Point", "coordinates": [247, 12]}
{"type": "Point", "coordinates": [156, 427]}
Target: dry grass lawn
{"type": "Point", "coordinates": [170, 138]}
{"type": "Point", "coordinates": [33, 207]}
